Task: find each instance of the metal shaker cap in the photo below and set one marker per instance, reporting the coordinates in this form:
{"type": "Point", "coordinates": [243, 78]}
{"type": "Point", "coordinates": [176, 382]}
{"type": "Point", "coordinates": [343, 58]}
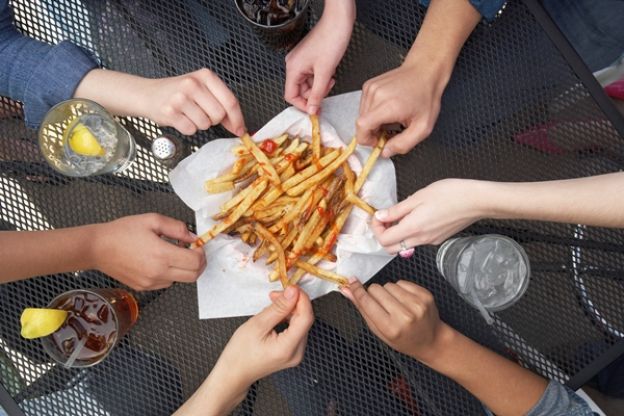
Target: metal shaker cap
{"type": "Point", "coordinates": [163, 148]}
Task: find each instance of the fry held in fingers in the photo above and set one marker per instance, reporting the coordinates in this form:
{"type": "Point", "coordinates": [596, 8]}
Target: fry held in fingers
{"type": "Point", "coordinates": [291, 201]}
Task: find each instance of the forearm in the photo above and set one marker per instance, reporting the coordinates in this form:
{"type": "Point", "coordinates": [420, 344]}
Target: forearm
{"type": "Point", "coordinates": [218, 395]}
{"type": "Point", "coordinates": [502, 385]}
{"type": "Point", "coordinates": [120, 93]}
{"type": "Point", "coordinates": [445, 29]}
{"type": "Point", "coordinates": [338, 18]}
{"type": "Point", "coordinates": [596, 200]}
{"type": "Point", "coordinates": [26, 254]}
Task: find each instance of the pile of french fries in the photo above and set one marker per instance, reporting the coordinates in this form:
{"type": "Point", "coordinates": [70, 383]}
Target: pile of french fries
{"type": "Point", "coordinates": [292, 200]}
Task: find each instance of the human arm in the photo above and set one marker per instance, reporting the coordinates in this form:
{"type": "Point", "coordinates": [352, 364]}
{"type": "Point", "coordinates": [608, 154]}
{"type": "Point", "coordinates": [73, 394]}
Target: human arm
{"type": "Point", "coordinates": [404, 316]}
{"type": "Point", "coordinates": [254, 351]}
{"type": "Point", "coordinates": [190, 102]}
{"type": "Point", "coordinates": [411, 94]}
{"type": "Point", "coordinates": [310, 66]}
{"type": "Point", "coordinates": [35, 73]}
{"type": "Point", "coordinates": [41, 75]}
{"type": "Point", "coordinates": [130, 250]}
{"type": "Point", "coordinates": [440, 210]}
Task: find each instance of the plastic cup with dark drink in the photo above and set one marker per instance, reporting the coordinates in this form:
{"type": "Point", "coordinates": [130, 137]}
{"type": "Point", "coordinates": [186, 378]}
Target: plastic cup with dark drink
{"type": "Point", "coordinates": [97, 319]}
{"type": "Point", "coordinates": [279, 23]}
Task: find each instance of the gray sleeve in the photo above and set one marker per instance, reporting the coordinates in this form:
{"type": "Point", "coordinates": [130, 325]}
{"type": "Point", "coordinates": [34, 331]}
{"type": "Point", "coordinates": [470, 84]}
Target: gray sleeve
{"type": "Point", "coordinates": [558, 400]}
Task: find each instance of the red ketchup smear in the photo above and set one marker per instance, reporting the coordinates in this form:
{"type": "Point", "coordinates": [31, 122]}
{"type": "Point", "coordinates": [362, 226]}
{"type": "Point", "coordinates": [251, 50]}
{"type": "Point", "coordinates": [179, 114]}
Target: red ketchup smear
{"type": "Point", "coordinates": [268, 146]}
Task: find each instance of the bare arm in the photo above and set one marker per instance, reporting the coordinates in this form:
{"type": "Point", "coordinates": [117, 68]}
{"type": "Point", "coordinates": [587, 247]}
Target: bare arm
{"type": "Point", "coordinates": [438, 211]}
{"type": "Point", "coordinates": [129, 249]}
{"type": "Point", "coordinates": [189, 102]}
{"type": "Point", "coordinates": [411, 93]}
{"type": "Point", "coordinates": [405, 317]}
{"type": "Point", "coordinates": [254, 351]}
{"type": "Point", "coordinates": [596, 200]}
{"type": "Point", "coordinates": [33, 253]}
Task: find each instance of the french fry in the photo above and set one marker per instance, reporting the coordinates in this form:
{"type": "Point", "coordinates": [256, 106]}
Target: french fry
{"type": "Point", "coordinates": [217, 188]}
{"type": "Point", "coordinates": [370, 162]}
{"type": "Point", "coordinates": [311, 170]}
{"type": "Point", "coordinates": [316, 137]}
{"type": "Point", "coordinates": [323, 274]}
{"type": "Point", "coordinates": [291, 202]}
{"type": "Point", "coordinates": [327, 170]}
{"type": "Point", "coordinates": [263, 161]}
{"type": "Point", "coordinates": [234, 216]}
{"type": "Point", "coordinates": [360, 203]}
{"type": "Point", "coordinates": [281, 258]}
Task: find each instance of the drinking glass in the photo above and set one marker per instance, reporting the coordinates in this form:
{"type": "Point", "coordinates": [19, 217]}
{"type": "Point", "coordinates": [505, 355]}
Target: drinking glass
{"type": "Point", "coordinates": [80, 138]}
{"type": "Point", "coordinates": [97, 319]}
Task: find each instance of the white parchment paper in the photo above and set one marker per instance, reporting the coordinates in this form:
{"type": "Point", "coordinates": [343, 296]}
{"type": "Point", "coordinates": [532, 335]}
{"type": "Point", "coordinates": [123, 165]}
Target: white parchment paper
{"type": "Point", "coordinates": [232, 284]}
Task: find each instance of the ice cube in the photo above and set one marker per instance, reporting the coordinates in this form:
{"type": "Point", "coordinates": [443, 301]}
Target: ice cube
{"type": "Point", "coordinates": [102, 313]}
{"type": "Point", "coordinates": [96, 343]}
{"type": "Point", "coordinates": [68, 345]}
{"type": "Point", "coordinates": [77, 326]}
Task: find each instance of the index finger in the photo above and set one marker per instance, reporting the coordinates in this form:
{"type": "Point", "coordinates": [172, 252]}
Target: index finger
{"type": "Point", "coordinates": [184, 258]}
{"type": "Point", "coordinates": [378, 227]}
{"type": "Point", "coordinates": [293, 90]}
{"type": "Point", "coordinates": [372, 312]}
{"type": "Point", "coordinates": [233, 120]}
{"type": "Point", "coordinates": [369, 122]}
{"type": "Point", "coordinates": [300, 321]}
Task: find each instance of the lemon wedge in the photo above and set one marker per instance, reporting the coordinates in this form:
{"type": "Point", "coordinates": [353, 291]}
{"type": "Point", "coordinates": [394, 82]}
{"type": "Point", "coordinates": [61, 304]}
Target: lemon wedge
{"type": "Point", "coordinates": [83, 142]}
{"type": "Point", "coordinates": [39, 322]}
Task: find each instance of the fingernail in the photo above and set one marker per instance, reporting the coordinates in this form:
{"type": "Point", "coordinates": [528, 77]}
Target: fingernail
{"type": "Point", "coordinates": [346, 293]}
{"type": "Point", "coordinates": [193, 235]}
{"type": "Point", "coordinates": [313, 109]}
{"type": "Point", "coordinates": [353, 280]}
{"type": "Point", "coordinates": [386, 153]}
{"type": "Point", "coordinates": [240, 131]}
{"type": "Point", "coordinates": [382, 214]}
{"type": "Point", "coordinates": [290, 292]}
{"type": "Point", "coordinates": [406, 254]}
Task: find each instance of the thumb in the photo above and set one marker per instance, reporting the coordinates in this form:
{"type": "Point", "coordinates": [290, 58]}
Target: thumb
{"type": "Point", "coordinates": [404, 141]}
{"type": "Point", "coordinates": [318, 92]}
{"type": "Point", "coordinates": [172, 228]}
{"type": "Point", "coordinates": [283, 305]}
{"type": "Point", "coordinates": [395, 212]}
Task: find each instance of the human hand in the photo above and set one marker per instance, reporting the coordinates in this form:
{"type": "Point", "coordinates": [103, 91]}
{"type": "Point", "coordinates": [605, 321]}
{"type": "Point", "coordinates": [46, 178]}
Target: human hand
{"type": "Point", "coordinates": [257, 350]}
{"type": "Point", "coordinates": [132, 251]}
{"type": "Point", "coordinates": [409, 95]}
{"type": "Point", "coordinates": [402, 314]}
{"type": "Point", "coordinates": [192, 102]}
{"type": "Point", "coordinates": [432, 214]}
{"type": "Point", "coordinates": [310, 66]}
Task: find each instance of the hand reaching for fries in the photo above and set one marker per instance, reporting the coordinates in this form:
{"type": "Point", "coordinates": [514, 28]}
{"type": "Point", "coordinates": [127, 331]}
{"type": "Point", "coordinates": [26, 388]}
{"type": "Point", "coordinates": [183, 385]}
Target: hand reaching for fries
{"type": "Point", "coordinates": [292, 201]}
{"type": "Point", "coordinates": [255, 351]}
{"type": "Point", "coordinates": [430, 215]}
{"type": "Point", "coordinates": [402, 314]}
{"type": "Point", "coordinates": [132, 251]}
{"type": "Point", "coordinates": [310, 66]}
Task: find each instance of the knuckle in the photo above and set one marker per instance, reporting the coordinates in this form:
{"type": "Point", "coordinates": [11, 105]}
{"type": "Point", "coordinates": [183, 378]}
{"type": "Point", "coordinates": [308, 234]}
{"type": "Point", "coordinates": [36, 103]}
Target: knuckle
{"type": "Point", "coordinates": [393, 333]}
{"type": "Point", "coordinates": [189, 84]}
{"type": "Point", "coordinates": [169, 111]}
{"type": "Point", "coordinates": [203, 72]}
{"type": "Point", "coordinates": [178, 99]}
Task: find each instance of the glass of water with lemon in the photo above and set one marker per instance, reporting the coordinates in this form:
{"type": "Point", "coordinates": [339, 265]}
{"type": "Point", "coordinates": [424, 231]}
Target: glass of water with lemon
{"type": "Point", "coordinates": [80, 138]}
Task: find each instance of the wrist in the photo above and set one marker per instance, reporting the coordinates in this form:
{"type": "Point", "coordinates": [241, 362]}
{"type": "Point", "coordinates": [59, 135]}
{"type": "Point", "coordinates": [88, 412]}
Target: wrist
{"type": "Point", "coordinates": [436, 352]}
{"type": "Point", "coordinates": [95, 245]}
{"type": "Point", "coordinates": [339, 11]}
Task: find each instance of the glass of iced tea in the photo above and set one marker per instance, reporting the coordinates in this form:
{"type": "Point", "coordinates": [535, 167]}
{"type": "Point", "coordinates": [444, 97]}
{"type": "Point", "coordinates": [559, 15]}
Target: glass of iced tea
{"type": "Point", "coordinates": [97, 319]}
{"type": "Point", "coordinates": [279, 23]}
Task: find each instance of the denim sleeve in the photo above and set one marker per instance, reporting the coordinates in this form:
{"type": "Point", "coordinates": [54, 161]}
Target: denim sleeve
{"type": "Point", "coordinates": [487, 8]}
{"type": "Point", "coordinates": [558, 400]}
{"type": "Point", "coordinates": [35, 73]}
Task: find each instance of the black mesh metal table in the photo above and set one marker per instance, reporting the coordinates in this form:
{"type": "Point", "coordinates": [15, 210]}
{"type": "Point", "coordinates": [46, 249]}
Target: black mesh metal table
{"type": "Point", "coordinates": [520, 106]}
